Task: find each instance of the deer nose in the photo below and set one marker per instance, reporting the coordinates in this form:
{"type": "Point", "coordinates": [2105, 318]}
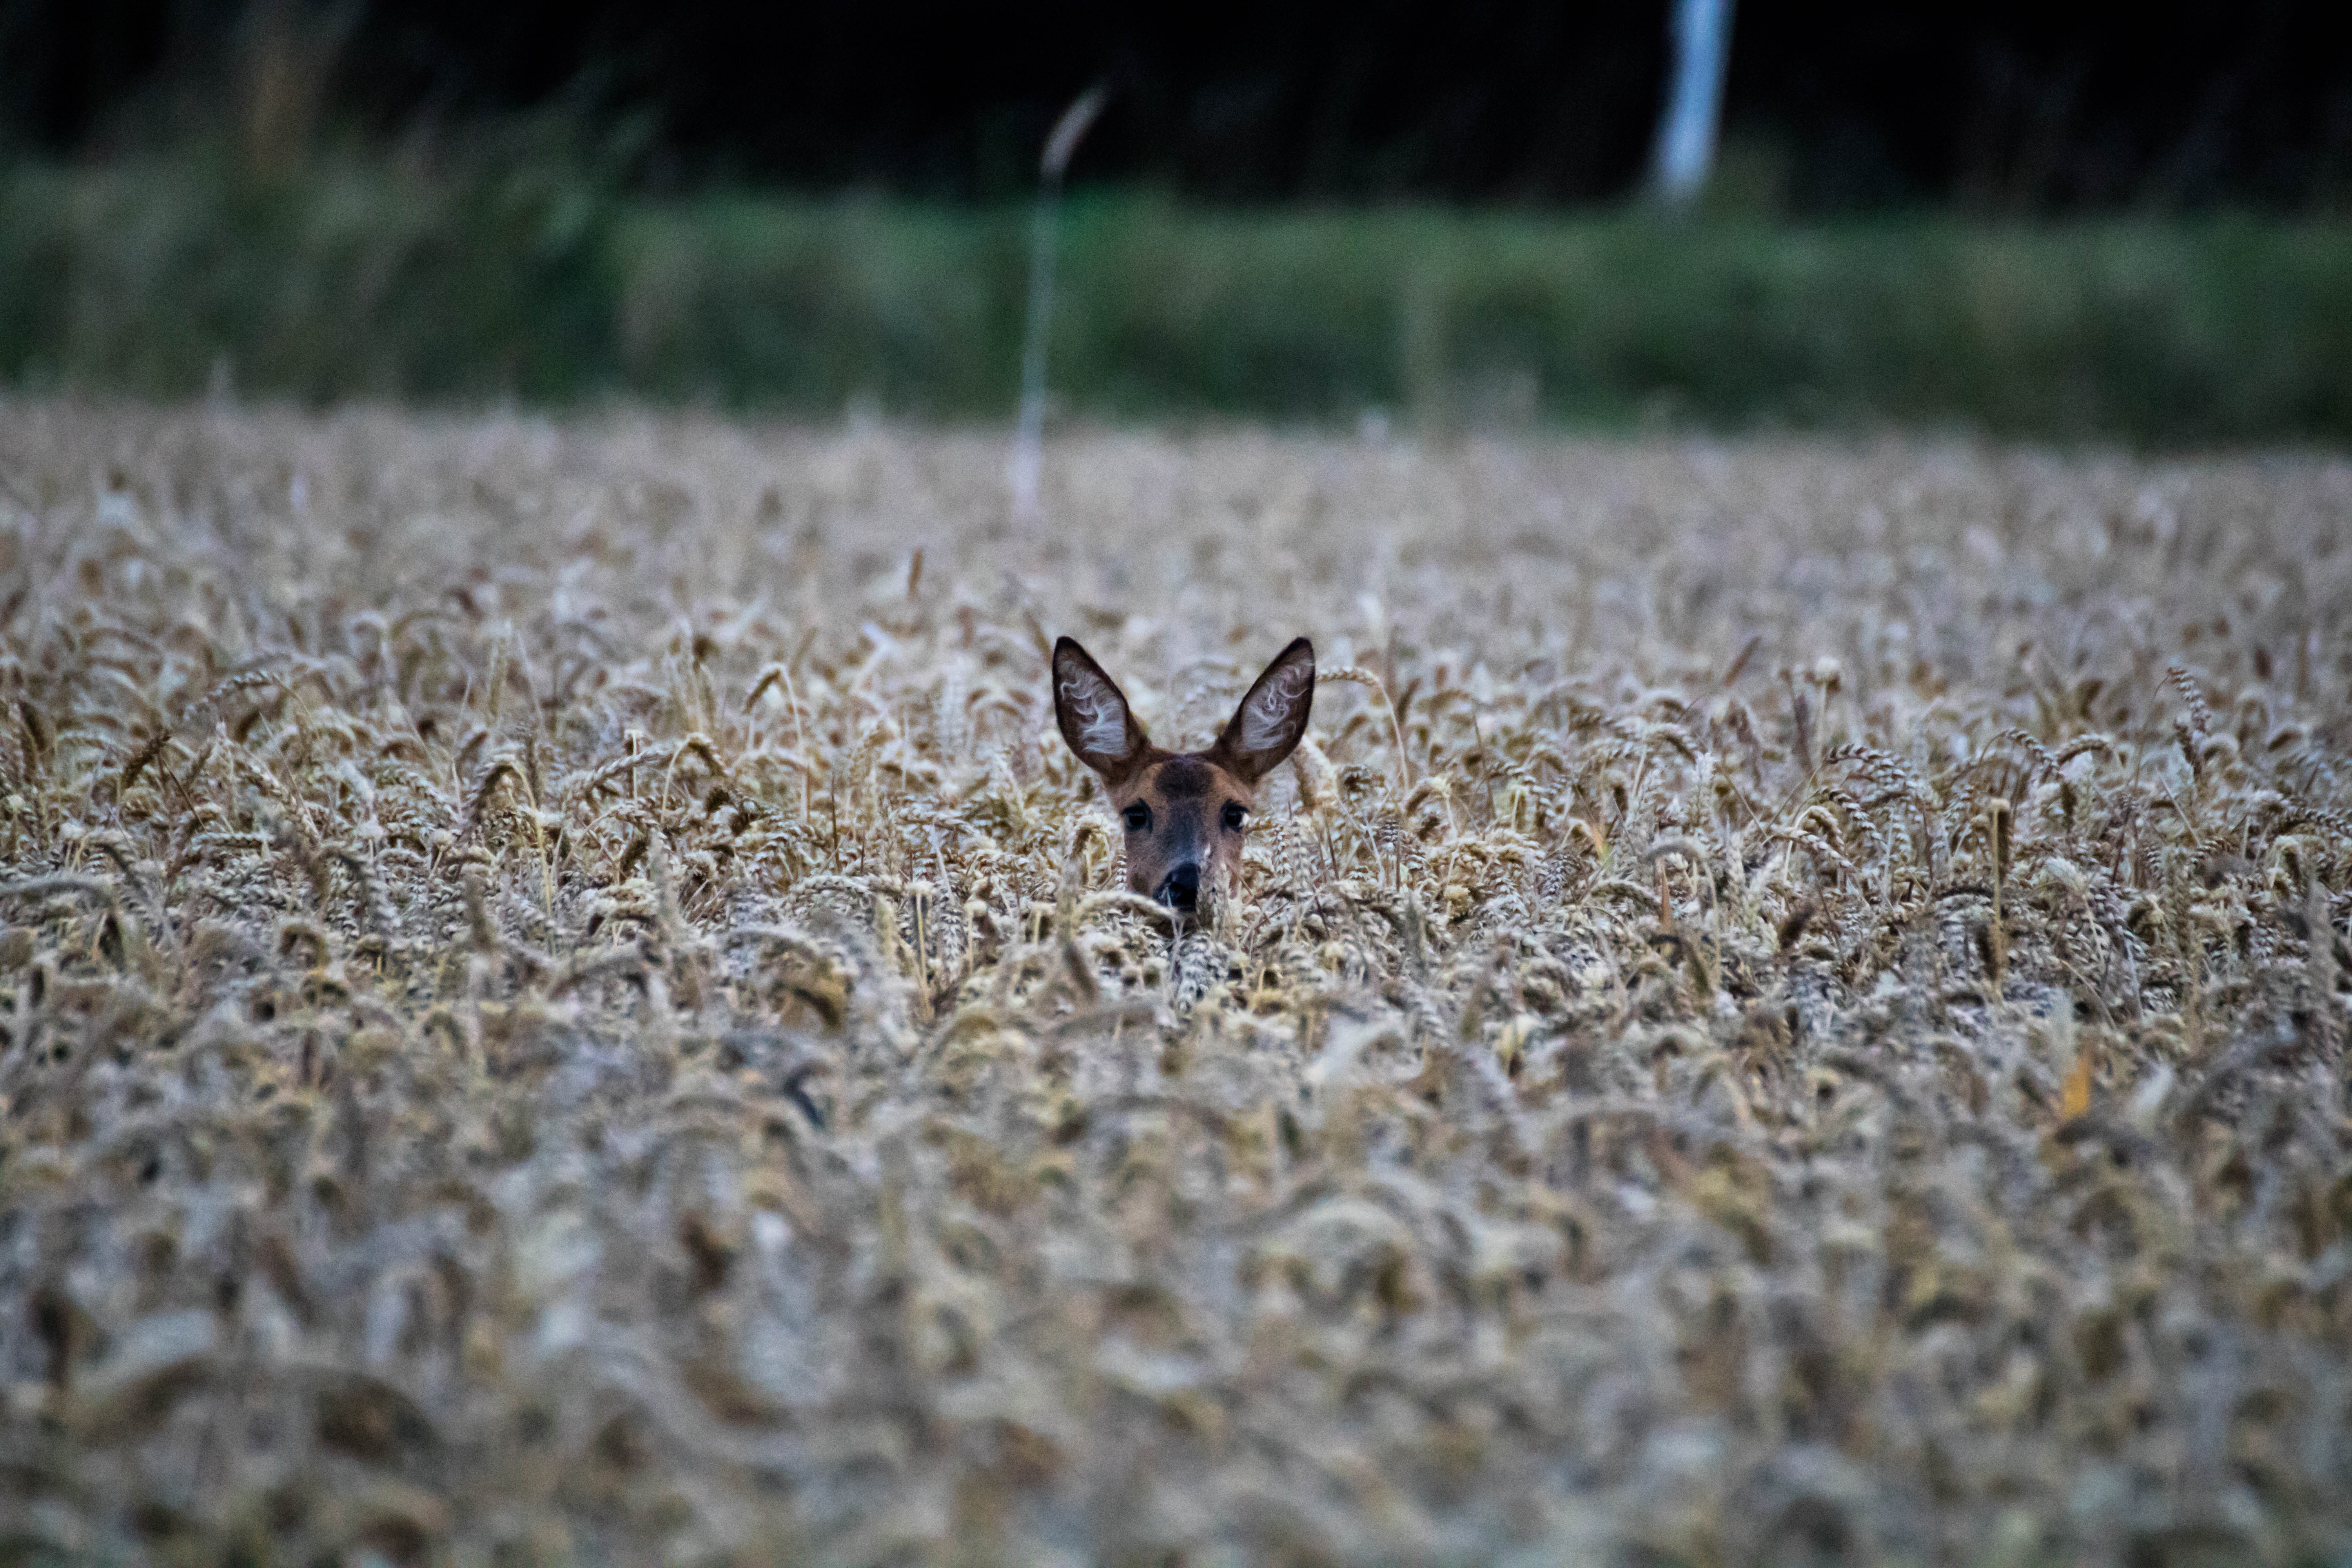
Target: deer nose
{"type": "Point", "coordinates": [1181, 891]}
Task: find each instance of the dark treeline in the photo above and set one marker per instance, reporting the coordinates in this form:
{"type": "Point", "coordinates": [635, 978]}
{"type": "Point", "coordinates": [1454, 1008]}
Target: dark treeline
{"type": "Point", "coordinates": [1839, 105]}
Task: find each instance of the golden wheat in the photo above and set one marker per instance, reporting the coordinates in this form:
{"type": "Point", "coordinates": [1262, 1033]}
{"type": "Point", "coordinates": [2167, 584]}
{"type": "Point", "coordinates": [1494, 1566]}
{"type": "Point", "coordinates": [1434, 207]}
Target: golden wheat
{"type": "Point", "coordinates": [564, 1001]}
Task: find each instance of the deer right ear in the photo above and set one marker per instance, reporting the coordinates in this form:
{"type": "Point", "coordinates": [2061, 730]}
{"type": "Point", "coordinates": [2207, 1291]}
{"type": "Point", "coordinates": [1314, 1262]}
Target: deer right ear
{"type": "Point", "coordinates": [1268, 724]}
{"type": "Point", "coordinates": [1093, 713]}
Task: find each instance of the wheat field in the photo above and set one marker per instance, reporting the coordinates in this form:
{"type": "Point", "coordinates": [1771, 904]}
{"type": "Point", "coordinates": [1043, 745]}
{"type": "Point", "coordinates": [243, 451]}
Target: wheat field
{"type": "Point", "coordinates": [564, 1003]}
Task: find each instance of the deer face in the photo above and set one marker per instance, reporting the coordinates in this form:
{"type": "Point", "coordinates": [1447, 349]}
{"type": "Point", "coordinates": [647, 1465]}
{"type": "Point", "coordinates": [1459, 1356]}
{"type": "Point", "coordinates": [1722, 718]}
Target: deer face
{"type": "Point", "coordinates": [1184, 811]}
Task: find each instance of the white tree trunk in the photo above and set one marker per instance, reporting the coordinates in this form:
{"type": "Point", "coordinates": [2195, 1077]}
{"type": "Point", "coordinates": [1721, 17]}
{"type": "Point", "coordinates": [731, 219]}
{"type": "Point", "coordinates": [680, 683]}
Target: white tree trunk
{"type": "Point", "coordinates": [1694, 99]}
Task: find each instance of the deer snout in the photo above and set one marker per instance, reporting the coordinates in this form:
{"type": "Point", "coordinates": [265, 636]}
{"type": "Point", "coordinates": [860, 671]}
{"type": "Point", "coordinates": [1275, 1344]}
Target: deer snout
{"type": "Point", "coordinates": [1181, 891]}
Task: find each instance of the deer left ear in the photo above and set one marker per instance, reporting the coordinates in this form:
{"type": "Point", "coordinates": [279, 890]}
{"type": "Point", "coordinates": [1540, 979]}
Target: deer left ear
{"type": "Point", "coordinates": [1092, 714]}
{"type": "Point", "coordinates": [1272, 718]}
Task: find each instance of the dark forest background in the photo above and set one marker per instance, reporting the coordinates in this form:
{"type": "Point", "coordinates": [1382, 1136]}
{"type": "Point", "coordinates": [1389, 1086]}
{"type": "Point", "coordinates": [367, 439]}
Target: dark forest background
{"type": "Point", "coordinates": [1831, 107]}
{"type": "Point", "coordinates": [2046, 221]}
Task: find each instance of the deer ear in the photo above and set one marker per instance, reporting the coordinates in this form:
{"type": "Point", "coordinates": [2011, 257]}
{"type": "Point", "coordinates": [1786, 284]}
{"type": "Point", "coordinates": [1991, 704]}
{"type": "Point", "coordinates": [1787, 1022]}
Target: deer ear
{"type": "Point", "coordinates": [1271, 719]}
{"type": "Point", "coordinates": [1093, 713]}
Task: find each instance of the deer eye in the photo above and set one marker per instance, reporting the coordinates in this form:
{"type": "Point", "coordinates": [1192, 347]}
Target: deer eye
{"type": "Point", "coordinates": [1139, 818]}
{"type": "Point", "coordinates": [1234, 816]}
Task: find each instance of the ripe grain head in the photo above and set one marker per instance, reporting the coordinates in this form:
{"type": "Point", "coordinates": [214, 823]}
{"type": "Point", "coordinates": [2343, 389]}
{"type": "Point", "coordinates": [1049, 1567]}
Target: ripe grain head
{"type": "Point", "coordinates": [563, 1000]}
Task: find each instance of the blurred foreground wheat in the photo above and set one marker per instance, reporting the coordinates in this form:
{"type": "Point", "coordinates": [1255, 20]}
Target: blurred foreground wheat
{"type": "Point", "coordinates": [563, 1002]}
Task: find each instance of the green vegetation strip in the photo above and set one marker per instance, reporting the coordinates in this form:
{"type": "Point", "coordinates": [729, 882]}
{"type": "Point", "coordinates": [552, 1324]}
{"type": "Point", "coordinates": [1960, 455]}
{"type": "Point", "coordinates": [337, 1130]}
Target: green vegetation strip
{"type": "Point", "coordinates": [555, 288]}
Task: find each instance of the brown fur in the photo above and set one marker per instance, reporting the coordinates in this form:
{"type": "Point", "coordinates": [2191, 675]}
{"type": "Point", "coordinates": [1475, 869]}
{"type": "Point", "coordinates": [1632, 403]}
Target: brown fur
{"type": "Point", "coordinates": [1184, 844]}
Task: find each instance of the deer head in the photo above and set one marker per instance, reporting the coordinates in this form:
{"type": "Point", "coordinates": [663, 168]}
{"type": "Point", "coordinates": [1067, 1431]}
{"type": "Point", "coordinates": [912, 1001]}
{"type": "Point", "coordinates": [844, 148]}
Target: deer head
{"type": "Point", "coordinates": [1184, 811]}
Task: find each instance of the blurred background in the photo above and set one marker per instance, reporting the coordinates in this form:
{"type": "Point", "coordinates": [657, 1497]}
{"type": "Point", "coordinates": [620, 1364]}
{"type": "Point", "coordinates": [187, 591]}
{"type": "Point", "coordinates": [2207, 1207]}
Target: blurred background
{"type": "Point", "coordinates": [2034, 220]}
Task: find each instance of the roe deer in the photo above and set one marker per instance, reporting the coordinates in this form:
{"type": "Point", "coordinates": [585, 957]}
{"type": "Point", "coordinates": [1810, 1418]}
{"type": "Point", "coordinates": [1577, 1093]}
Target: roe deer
{"type": "Point", "coordinates": [1184, 810]}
